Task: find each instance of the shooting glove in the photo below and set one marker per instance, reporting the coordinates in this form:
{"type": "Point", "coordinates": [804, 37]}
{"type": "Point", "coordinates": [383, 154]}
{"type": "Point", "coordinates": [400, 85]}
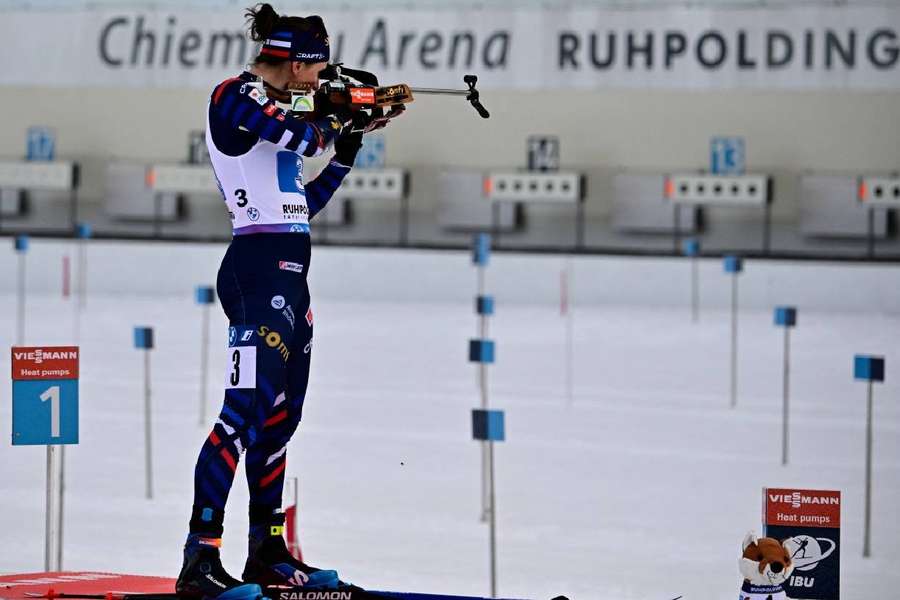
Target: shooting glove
{"type": "Point", "coordinates": [351, 119]}
{"type": "Point", "coordinates": [346, 147]}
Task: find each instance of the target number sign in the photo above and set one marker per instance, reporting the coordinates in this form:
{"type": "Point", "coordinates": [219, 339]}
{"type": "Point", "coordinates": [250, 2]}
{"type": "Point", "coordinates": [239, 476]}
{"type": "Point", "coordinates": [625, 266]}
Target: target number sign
{"type": "Point", "coordinates": [45, 395]}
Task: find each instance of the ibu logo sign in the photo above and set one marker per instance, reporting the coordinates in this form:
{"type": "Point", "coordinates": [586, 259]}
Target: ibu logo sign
{"type": "Point", "coordinates": [809, 524]}
{"type": "Point", "coordinates": [40, 143]}
{"type": "Point", "coordinates": [726, 156]}
{"type": "Point", "coordinates": [45, 395]}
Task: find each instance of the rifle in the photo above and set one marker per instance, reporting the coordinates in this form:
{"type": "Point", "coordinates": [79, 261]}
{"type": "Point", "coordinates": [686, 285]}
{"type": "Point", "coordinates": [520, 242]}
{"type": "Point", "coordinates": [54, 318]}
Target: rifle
{"type": "Point", "coordinates": [359, 91]}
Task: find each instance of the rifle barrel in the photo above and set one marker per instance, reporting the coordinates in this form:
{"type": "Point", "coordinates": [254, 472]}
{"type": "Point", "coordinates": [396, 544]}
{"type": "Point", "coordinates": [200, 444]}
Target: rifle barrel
{"type": "Point", "coordinates": [441, 91]}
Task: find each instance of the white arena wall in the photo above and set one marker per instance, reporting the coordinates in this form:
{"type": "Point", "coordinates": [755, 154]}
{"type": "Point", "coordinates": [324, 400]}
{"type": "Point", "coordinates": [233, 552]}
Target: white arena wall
{"type": "Point", "coordinates": [392, 275]}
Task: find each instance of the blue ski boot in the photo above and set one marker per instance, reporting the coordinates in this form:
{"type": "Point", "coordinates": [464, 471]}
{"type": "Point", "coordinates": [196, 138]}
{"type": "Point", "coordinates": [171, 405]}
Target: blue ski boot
{"type": "Point", "coordinates": [270, 563]}
{"type": "Point", "coordinates": [203, 577]}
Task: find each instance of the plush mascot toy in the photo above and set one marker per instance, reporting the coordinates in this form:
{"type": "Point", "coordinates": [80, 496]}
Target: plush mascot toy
{"type": "Point", "coordinates": [765, 564]}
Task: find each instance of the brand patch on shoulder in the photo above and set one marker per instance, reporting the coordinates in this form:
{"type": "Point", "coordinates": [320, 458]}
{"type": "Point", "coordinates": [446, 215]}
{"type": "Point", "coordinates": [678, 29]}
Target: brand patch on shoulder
{"type": "Point", "coordinates": [285, 265]}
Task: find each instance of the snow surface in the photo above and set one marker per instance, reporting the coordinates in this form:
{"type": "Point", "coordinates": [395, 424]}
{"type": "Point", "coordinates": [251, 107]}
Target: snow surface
{"type": "Point", "coordinates": [642, 488]}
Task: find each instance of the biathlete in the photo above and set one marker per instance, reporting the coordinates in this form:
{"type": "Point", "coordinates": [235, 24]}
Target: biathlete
{"type": "Point", "coordinates": [257, 152]}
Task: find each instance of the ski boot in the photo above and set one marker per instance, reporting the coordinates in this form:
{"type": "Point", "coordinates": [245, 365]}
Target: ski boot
{"type": "Point", "coordinates": [270, 563]}
{"type": "Point", "coordinates": [203, 577]}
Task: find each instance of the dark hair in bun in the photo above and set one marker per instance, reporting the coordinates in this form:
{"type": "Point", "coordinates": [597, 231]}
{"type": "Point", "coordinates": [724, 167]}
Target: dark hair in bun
{"type": "Point", "coordinates": [263, 20]}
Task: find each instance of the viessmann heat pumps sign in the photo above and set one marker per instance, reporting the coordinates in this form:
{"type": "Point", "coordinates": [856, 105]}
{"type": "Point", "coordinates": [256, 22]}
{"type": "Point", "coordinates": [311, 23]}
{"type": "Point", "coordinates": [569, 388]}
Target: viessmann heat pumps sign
{"type": "Point", "coordinates": [810, 522]}
{"type": "Point", "coordinates": [802, 47]}
{"type": "Point", "coordinates": [45, 395]}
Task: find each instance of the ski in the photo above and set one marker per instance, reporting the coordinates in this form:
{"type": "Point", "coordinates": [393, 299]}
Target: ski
{"type": "Point", "coordinates": [357, 593]}
{"type": "Point", "coordinates": [51, 595]}
{"type": "Point", "coordinates": [274, 593]}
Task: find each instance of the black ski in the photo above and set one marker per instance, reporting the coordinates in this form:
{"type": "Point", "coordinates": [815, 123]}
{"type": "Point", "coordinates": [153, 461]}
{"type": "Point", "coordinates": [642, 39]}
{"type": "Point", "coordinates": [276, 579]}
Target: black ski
{"type": "Point", "coordinates": [107, 596]}
{"type": "Point", "coordinates": [273, 593]}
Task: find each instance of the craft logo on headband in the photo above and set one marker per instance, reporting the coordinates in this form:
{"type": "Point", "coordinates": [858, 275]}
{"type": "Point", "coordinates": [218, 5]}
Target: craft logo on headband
{"type": "Point", "coordinates": [303, 46]}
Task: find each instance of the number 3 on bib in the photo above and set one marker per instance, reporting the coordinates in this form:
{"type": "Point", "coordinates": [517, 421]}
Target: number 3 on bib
{"type": "Point", "coordinates": [240, 372]}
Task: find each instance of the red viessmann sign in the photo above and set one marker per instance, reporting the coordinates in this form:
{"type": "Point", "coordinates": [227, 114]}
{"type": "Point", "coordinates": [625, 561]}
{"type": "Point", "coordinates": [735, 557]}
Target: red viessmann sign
{"type": "Point", "coordinates": [810, 508]}
{"type": "Point", "coordinates": [42, 362]}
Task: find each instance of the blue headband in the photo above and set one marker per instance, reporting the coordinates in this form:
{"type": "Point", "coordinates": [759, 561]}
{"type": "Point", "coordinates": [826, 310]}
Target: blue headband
{"type": "Point", "coordinates": [302, 46]}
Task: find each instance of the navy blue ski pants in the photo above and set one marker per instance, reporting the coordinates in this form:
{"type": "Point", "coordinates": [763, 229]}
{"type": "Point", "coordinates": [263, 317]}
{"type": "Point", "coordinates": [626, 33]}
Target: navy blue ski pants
{"type": "Point", "coordinates": [263, 290]}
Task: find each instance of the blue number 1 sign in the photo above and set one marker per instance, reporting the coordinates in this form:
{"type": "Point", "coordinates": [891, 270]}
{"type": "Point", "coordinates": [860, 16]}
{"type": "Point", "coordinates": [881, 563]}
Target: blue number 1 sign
{"type": "Point", "coordinates": [45, 395]}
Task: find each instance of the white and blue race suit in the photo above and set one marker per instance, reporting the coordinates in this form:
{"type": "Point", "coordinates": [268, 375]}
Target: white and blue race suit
{"type": "Point", "coordinates": [257, 153]}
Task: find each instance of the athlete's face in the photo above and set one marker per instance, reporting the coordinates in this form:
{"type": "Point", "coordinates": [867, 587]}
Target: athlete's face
{"type": "Point", "coordinates": [305, 76]}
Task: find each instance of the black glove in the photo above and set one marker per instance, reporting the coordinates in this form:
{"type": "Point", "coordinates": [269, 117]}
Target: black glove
{"type": "Point", "coordinates": [343, 113]}
{"type": "Point", "coordinates": [352, 118]}
{"type": "Point", "coordinates": [346, 147]}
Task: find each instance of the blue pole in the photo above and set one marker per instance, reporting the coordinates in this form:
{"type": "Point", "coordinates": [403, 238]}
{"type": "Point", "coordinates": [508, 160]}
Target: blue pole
{"type": "Point", "coordinates": [785, 316]}
{"type": "Point", "coordinates": [734, 265]}
{"type": "Point", "coordinates": [481, 253]}
{"type": "Point", "coordinates": [869, 369]}
{"type": "Point", "coordinates": [488, 426]}
{"type": "Point", "coordinates": [143, 340]}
